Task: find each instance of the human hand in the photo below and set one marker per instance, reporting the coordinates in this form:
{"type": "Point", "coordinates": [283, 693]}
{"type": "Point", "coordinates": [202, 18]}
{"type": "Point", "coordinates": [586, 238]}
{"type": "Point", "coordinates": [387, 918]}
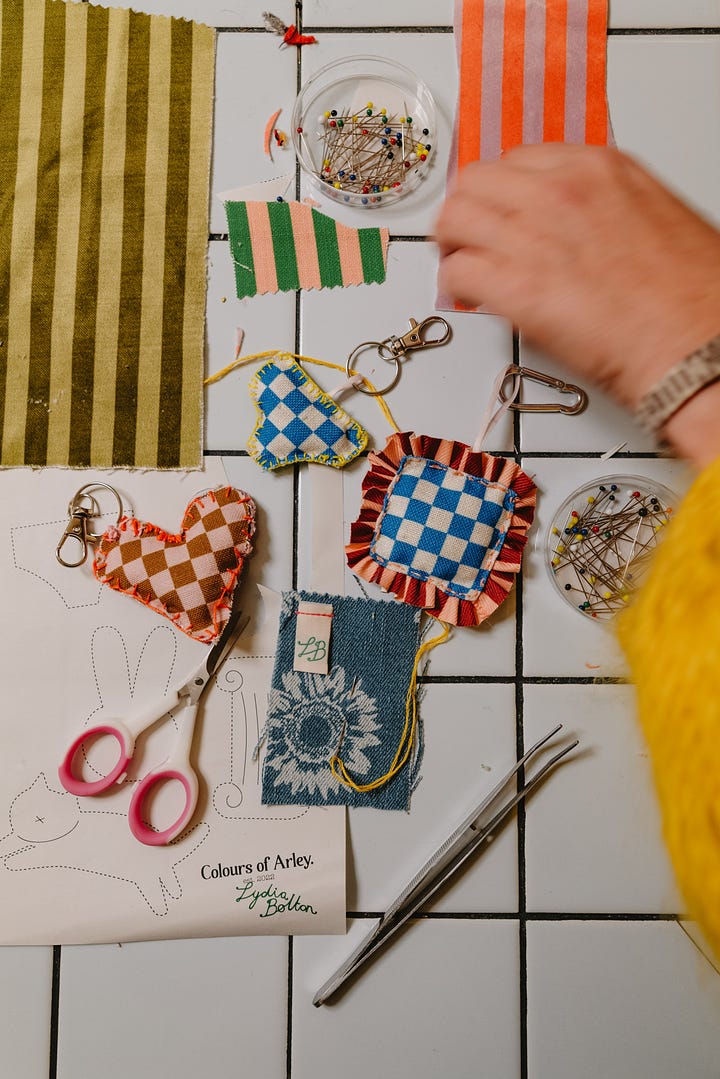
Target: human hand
{"type": "Point", "coordinates": [590, 256]}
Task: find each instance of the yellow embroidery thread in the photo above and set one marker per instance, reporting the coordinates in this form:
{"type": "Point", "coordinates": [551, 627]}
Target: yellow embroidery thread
{"type": "Point", "coordinates": [407, 738]}
{"type": "Point", "coordinates": [279, 353]}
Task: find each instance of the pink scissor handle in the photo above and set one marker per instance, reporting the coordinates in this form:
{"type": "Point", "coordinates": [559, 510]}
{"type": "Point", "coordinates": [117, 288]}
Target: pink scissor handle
{"type": "Point", "coordinates": [137, 819]}
{"type": "Point", "coordinates": [73, 783]}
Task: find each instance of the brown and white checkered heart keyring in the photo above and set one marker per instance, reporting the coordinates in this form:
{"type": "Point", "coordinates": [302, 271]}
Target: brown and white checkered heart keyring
{"type": "Point", "coordinates": [189, 577]}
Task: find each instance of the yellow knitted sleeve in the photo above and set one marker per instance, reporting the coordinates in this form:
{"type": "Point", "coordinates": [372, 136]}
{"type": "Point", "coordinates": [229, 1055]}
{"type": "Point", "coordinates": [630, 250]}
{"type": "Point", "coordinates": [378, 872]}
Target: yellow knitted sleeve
{"type": "Point", "coordinates": [671, 637]}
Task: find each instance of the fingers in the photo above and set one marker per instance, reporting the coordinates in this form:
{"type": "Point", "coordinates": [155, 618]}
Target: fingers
{"type": "Point", "coordinates": [468, 276]}
{"type": "Point", "coordinates": [467, 221]}
{"type": "Point", "coordinates": [546, 155]}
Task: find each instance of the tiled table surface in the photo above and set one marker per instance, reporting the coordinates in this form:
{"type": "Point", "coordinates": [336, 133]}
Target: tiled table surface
{"type": "Point", "coordinates": [558, 954]}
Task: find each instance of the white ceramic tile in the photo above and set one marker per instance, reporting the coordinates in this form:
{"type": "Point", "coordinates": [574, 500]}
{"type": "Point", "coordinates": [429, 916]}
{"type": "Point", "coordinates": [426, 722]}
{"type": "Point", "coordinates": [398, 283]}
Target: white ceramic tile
{"type": "Point", "coordinates": [602, 426]}
{"type": "Point", "coordinates": [268, 322]}
{"type": "Point", "coordinates": [442, 391]}
{"type": "Point", "coordinates": [253, 79]}
{"type": "Point", "coordinates": [211, 12]}
{"type": "Point", "coordinates": [442, 1000]}
{"type": "Point", "coordinates": [432, 57]}
{"type": "Point", "coordinates": [271, 562]}
{"type": "Point", "coordinates": [174, 1008]}
{"type": "Point", "coordinates": [593, 835]}
{"type": "Point", "coordinates": [620, 1001]}
{"type": "Point", "coordinates": [25, 995]}
{"type": "Point", "coordinates": [664, 13]}
{"type": "Point", "coordinates": [488, 649]}
{"type": "Point", "coordinates": [558, 640]}
{"type": "Point", "coordinates": [377, 13]}
{"type": "Point", "coordinates": [469, 744]}
{"type": "Point", "coordinates": [663, 92]}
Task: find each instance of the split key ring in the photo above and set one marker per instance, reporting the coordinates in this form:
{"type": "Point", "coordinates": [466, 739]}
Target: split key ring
{"type": "Point", "coordinates": [392, 348]}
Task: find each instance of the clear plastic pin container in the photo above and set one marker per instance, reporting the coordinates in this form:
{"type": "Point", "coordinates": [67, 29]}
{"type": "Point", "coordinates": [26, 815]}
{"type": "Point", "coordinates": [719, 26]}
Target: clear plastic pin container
{"type": "Point", "coordinates": [600, 541]}
{"type": "Point", "coordinates": [364, 131]}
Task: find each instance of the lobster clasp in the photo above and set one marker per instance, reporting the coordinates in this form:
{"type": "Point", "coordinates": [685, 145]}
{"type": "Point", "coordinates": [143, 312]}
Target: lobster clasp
{"type": "Point", "coordinates": [76, 532]}
{"type": "Point", "coordinates": [416, 336]}
{"type": "Point", "coordinates": [81, 509]}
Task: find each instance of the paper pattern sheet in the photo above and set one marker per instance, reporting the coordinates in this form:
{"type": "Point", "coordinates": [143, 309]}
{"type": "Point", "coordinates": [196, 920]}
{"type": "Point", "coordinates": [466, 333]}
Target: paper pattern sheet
{"type": "Point", "coordinates": [75, 652]}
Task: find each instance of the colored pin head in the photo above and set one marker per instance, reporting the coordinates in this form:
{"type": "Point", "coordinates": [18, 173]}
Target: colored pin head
{"type": "Point", "coordinates": [616, 531]}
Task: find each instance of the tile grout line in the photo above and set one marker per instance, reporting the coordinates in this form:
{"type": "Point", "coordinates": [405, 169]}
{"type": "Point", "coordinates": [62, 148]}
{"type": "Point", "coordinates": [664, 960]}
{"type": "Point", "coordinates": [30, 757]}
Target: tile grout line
{"type": "Point", "coordinates": [54, 1012]}
{"type": "Point", "coordinates": [551, 455]}
{"type": "Point", "coordinates": [295, 545]}
{"type": "Point", "coordinates": [444, 28]}
{"type": "Point", "coordinates": [298, 319]}
{"type": "Point", "coordinates": [520, 749]}
{"type": "Point", "coordinates": [288, 1042]}
{"type": "Point", "coordinates": [528, 916]}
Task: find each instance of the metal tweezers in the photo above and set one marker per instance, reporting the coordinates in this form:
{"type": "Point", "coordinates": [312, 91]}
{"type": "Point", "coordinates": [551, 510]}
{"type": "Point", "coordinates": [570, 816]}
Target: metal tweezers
{"type": "Point", "coordinates": [457, 849]}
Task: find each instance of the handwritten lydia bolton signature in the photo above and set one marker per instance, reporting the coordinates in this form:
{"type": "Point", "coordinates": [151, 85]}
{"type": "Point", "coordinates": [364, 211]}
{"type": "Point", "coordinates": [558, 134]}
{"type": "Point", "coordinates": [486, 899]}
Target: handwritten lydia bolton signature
{"type": "Point", "coordinates": [271, 900]}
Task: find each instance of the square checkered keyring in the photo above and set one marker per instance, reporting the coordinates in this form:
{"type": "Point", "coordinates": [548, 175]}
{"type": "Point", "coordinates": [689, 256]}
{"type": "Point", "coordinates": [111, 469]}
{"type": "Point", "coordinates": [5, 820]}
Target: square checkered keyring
{"type": "Point", "coordinates": [443, 525]}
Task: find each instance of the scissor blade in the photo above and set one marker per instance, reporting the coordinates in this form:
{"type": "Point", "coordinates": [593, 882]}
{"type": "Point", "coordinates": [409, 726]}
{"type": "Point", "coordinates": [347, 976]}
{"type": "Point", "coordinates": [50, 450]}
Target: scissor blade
{"type": "Point", "coordinates": [233, 628]}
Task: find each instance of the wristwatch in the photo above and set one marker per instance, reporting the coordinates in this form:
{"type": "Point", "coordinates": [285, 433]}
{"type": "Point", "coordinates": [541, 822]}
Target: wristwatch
{"type": "Point", "coordinates": [678, 385]}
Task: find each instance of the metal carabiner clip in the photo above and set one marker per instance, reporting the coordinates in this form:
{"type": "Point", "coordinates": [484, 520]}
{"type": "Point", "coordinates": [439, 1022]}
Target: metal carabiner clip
{"type": "Point", "coordinates": [515, 371]}
{"type": "Point", "coordinates": [392, 348]}
{"type": "Point", "coordinates": [80, 514]}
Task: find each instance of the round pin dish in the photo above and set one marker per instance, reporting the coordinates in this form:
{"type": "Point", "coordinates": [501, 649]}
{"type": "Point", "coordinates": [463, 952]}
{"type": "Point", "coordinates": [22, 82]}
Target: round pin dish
{"type": "Point", "coordinates": [363, 129]}
{"type": "Point", "coordinates": [599, 543]}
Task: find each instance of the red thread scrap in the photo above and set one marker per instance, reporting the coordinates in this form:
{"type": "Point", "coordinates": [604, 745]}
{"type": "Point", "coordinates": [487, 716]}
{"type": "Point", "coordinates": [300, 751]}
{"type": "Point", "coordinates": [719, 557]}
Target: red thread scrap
{"type": "Point", "coordinates": [292, 37]}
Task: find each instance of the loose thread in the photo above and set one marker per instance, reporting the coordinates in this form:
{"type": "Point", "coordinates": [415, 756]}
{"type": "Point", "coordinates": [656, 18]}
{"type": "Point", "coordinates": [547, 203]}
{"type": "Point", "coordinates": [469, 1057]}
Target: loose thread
{"type": "Point", "coordinates": [242, 361]}
{"type": "Point", "coordinates": [269, 128]}
{"type": "Point", "coordinates": [337, 766]}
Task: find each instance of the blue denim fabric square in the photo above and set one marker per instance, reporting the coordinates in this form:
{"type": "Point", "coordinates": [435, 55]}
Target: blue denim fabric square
{"type": "Point", "coordinates": [358, 706]}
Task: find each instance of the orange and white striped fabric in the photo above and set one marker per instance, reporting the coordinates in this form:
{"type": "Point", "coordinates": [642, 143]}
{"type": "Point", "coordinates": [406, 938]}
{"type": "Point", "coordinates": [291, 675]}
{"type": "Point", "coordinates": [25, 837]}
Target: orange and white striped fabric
{"type": "Point", "coordinates": [531, 71]}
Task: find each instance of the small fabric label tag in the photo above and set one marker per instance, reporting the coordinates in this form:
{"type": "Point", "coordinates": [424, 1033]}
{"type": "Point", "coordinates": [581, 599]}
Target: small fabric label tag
{"type": "Point", "coordinates": [312, 637]}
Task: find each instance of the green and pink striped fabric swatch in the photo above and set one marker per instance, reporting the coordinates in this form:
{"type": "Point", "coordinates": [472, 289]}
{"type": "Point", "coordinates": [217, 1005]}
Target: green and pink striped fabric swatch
{"type": "Point", "coordinates": [282, 246]}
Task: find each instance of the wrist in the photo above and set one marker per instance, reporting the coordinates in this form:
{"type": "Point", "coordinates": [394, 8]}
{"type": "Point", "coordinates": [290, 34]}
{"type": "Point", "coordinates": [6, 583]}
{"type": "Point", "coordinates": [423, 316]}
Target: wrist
{"type": "Point", "coordinates": [694, 430]}
{"type": "Point", "coordinates": [682, 404]}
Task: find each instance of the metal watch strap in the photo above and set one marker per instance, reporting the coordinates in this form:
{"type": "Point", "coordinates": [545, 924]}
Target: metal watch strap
{"type": "Point", "coordinates": [678, 385]}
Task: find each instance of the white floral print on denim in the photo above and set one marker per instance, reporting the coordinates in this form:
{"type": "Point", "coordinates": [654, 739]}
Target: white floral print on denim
{"type": "Point", "coordinates": [319, 712]}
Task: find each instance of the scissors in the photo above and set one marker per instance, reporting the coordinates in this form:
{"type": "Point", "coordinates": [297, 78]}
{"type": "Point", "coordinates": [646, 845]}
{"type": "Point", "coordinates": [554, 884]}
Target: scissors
{"type": "Point", "coordinates": [450, 856]}
{"type": "Point", "coordinates": [177, 766]}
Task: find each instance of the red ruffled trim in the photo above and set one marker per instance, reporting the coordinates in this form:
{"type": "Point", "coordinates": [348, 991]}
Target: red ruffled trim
{"type": "Point", "coordinates": [456, 455]}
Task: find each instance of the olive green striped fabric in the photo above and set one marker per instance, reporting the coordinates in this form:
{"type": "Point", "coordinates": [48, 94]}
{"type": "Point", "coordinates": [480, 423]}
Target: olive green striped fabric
{"type": "Point", "coordinates": [105, 139]}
